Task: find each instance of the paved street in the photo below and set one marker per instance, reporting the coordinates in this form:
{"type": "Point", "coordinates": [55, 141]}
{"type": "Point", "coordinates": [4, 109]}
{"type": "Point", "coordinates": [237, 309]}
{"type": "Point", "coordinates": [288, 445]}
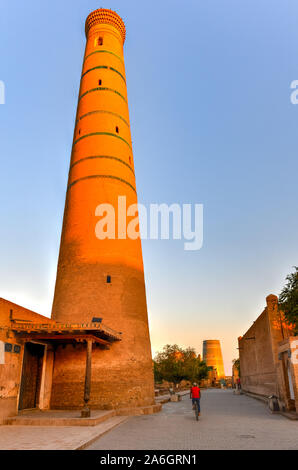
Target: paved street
{"type": "Point", "coordinates": [227, 421]}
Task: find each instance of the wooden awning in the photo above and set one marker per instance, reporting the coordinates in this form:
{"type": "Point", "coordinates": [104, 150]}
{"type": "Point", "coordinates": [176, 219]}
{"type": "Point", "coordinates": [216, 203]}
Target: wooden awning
{"type": "Point", "coordinates": [65, 332]}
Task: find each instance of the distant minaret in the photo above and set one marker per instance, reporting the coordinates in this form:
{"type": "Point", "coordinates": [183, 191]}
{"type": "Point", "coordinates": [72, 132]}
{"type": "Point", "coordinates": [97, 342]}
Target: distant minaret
{"type": "Point", "coordinates": [213, 357]}
{"type": "Point", "coordinates": [103, 278]}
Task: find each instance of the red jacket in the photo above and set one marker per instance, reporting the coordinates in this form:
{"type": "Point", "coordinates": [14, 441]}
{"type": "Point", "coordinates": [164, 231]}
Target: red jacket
{"type": "Point", "coordinates": [195, 392]}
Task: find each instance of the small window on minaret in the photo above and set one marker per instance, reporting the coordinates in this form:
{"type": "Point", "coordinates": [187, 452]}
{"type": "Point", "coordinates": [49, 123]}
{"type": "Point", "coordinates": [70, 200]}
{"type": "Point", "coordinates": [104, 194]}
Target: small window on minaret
{"type": "Point", "coordinates": [109, 280]}
{"type": "Point", "coordinates": [99, 82]}
{"type": "Point", "coordinates": [79, 131]}
{"type": "Point", "coordinates": [129, 159]}
{"type": "Point", "coordinates": [100, 41]}
{"type": "Point", "coordinates": [117, 129]}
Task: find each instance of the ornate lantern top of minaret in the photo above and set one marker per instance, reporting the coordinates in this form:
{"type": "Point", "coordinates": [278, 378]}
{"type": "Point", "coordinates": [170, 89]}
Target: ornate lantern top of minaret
{"type": "Point", "coordinates": [103, 15]}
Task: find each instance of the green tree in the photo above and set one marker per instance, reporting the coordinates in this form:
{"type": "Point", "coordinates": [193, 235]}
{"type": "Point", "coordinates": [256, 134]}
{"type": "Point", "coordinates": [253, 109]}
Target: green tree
{"type": "Point", "coordinates": [203, 371]}
{"type": "Point", "coordinates": [157, 374]}
{"type": "Point", "coordinates": [175, 364]}
{"type": "Point", "coordinates": [189, 364]}
{"type": "Point", "coordinates": [194, 369]}
{"type": "Point", "coordinates": [236, 363]}
{"type": "Point", "coordinates": [288, 299]}
{"type": "Point", "coordinates": [169, 364]}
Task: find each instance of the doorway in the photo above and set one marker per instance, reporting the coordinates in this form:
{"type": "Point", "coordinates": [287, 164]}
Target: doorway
{"type": "Point", "coordinates": [31, 376]}
{"type": "Point", "coordinates": [286, 363]}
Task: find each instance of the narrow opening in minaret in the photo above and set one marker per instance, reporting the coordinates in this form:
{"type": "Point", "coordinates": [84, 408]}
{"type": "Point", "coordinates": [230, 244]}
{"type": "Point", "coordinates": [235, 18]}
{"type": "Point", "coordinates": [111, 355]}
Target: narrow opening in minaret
{"type": "Point", "coordinates": [99, 82]}
{"type": "Point", "coordinates": [100, 41]}
{"type": "Point", "coordinates": [117, 129]}
{"type": "Point", "coordinates": [109, 280]}
{"type": "Point", "coordinates": [129, 159]}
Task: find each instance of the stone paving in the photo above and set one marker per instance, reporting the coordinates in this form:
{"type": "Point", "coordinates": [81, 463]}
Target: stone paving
{"type": "Point", "coordinates": [53, 437]}
{"type": "Point", "coordinates": [227, 421]}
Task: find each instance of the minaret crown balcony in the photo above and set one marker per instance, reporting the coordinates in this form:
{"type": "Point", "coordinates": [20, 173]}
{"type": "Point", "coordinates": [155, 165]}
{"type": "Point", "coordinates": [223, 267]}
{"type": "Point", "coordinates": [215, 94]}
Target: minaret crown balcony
{"type": "Point", "coordinates": [105, 16]}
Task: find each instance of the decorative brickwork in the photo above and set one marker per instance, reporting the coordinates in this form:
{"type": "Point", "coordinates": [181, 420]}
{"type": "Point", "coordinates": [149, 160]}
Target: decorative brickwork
{"type": "Point", "coordinates": [102, 89]}
{"type": "Point", "coordinates": [104, 16]}
{"type": "Point", "coordinates": [106, 68]}
{"type": "Point", "coordinates": [92, 134]}
{"type": "Point", "coordinates": [103, 52]}
{"type": "Point", "coordinates": [102, 176]}
{"type": "Point", "coordinates": [102, 111]}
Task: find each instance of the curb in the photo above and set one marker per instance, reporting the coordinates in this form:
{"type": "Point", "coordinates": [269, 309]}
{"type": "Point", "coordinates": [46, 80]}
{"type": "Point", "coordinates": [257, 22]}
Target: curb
{"type": "Point", "coordinates": [99, 435]}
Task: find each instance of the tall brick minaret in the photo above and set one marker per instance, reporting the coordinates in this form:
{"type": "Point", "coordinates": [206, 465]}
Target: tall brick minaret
{"type": "Point", "coordinates": [103, 278]}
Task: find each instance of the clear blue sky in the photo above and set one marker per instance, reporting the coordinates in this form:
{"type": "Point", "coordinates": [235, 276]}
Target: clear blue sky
{"type": "Point", "coordinates": [212, 123]}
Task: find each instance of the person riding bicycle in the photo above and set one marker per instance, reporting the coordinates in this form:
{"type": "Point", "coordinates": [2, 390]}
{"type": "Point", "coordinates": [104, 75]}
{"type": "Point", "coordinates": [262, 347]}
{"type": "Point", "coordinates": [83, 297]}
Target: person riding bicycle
{"type": "Point", "coordinates": [195, 395]}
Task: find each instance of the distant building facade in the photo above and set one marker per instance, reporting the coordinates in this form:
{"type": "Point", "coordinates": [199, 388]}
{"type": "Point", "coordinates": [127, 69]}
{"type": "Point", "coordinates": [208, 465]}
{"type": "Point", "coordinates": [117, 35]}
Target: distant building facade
{"type": "Point", "coordinates": [267, 352]}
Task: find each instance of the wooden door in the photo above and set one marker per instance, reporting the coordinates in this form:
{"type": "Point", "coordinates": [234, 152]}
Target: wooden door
{"type": "Point", "coordinates": [31, 376]}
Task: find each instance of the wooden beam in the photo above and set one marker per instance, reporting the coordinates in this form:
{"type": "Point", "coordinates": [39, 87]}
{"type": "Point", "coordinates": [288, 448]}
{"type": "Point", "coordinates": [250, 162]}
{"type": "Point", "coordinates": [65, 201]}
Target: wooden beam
{"type": "Point", "coordinates": [85, 413]}
{"type": "Point", "coordinates": [67, 337]}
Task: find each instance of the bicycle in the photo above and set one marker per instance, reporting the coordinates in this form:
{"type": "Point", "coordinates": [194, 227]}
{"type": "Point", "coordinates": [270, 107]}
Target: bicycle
{"type": "Point", "coordinates": [196, 408]}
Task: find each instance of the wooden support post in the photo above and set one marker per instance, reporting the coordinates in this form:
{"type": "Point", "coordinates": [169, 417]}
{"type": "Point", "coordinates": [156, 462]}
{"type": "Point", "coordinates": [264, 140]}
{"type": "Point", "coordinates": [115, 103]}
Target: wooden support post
{"type": "Point", "coordinates": [85, 413]}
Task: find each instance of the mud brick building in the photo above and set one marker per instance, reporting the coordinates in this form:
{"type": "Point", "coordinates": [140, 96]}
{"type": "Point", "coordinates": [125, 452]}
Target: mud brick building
{"type": "Point", "coordinates": [269, 357]}
{"type": "Point", "coordinates": [31, 362]}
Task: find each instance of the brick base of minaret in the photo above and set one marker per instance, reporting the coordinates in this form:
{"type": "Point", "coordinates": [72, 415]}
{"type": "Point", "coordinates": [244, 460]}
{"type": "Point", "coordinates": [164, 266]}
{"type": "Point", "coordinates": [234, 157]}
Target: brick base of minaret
{"type": "Point", "coordinates": [122, 376]}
